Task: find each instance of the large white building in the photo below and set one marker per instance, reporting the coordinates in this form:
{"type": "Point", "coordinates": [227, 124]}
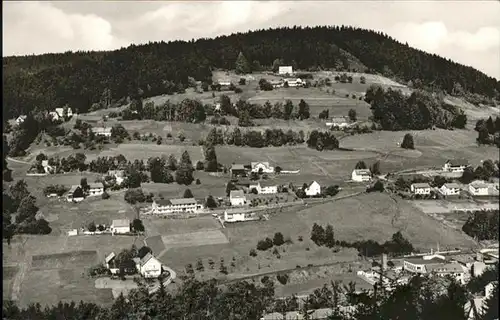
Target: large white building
{"type": "Point", "coordinates": [96, 189]}
{"type": "Point", "coordinates": [264, 188]}
{"type": "Point", "coordinates": [478, 188]}
{"type": "Point", "coordinates": [239, 217]}
{"type": "Point", "coordinates": [60, 112]}
{"type": "Point", "coordinates": [120, 226]}
{"type": "Point", "coordinates": [285, 70]}
{"type": "Point", "coordinates": [172, 206]}
{"type": "Point", "coordinates": [313, 189]}
{"type": "Point", "coordinates": [361, 175]}
{"type": "Point", "coordinates": [455, 165]}
{"type": "Point", "coordinates": [450, 189]}
{"type": "Point", "coordinates": [257, 166]}
{"type": "Point", "coordinates": [436, 265]}
{"type": "Point", "coordinates": [237, 198]}
{"type": "Point", "coordinates": [294, 82]}
{"type": "Point", "coordinates": [339, 122]}
{"type": "Point", "coordinates": [420, 188]}
{"type": "Point", "coordinates": [149, 266]}
{"type": "Point", "coordinates": [101, 131]}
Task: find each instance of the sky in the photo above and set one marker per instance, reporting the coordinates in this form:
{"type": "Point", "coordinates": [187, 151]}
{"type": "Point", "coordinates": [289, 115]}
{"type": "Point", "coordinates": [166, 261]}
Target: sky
{"type": "Point", "coordinates": [467, 32]}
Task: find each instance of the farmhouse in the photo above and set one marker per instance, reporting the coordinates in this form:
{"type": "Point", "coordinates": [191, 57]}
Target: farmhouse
{"type": "Point", "coordinates": [420, 188]}
{"type": "Point", "coordinates": [60, 112]}
{"type": "Point", "coordinates": [70, 195]}
{"type": "Point", "coordinates": [313, 189]}
{"type": "Point", "coordinates": [21, 119]}
{"type": "Point", "coordinates": [102, 131]}
{"type": "Point", "coordinates": [237, 198]}
{"type": "Point", "coordinates": [361, 175]}
{"type": "Point", "coordinates": [478, 188]}
{"type": "Point", "coordinates": [149, 266]}
{"type": "Point", "coordinates": [455, 165]}
{"type": "Point", "coordinates": [185, 205]}
{"type": "Point", "coordinates": [120, 226]}
{"type": "Point", "coordinates": [294, 82]}
{"type": "Point", "coordinates": [264, 188]}
{"type": "Point", "coordinates": [96, 189]}
{"type": "Point", "coordinates": [119, 175]}
{"type": "Point", "coordinates": [450, 189]}
{"type": "Point", "coordinates": [266, 168]}
{"type": "Point", "coordinates": [237, 170]}
{"type": "Point", "coordinates": [340, 122]}
{"type": "Point", "coordinates": [239, 217]}
{"type": "Point", "coordinates": [285, 70]}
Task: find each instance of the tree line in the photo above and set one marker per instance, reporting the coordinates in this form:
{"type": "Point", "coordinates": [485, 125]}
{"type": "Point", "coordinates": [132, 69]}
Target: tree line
{"type": "Point", "coordinates": [488, 131]}
{"type": "Point", "coordinates": [482, 225]}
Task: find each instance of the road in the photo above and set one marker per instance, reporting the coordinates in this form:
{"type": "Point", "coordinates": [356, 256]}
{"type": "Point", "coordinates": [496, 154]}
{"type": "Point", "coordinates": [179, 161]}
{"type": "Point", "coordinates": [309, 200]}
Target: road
{"type": "Point", "coordinates": [18, 161]}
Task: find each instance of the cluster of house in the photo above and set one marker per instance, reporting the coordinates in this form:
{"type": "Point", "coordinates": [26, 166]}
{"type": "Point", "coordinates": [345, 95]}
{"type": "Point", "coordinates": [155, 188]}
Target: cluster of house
{"type": "Point", "coordinates": [314, 314]}
{"type": "Point", "coordinates": [241, 170]}
{"type": "Point", "coordinates": [119, 226]}
{"type": "Point", "coordinates": [95, 189]}
{"type": "Point", "coordinates": [147, 266]}
{"type": "Point", "coordinates": [340, 122]}
{"type": "Point", "coordinates": [56, 115]}
{"type": "Point", "coordinates": [290, 82]}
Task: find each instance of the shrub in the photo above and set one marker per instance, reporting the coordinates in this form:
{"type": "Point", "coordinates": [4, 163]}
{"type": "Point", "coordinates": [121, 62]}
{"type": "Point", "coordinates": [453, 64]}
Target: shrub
{"type": "Point", "coordinates": [105, 195]}
{"type": "Point", "coordinates": [198, 181]}
{"type": "Point", "coordinates": [278, 239]}
{"type": "Point", "coordinates": [282, 278]}
{"type": "Point", "coordinates": [263, 245]}
{"type": "Point", "coordinates": [253, 253]}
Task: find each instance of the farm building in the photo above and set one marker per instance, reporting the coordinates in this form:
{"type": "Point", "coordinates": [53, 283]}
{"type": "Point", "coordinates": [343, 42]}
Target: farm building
{"type": "Point", "coordinates": [120, 226]}
{"type": "Point", "coordinates": [294, 82]}
{"type": "Point", "coordinates": [225, 83]}
{"type": "Point", "coordinates": [96, 189]}
{"type": "Point", "coordinates": [285, 70]}
{"type": "Point", "coordinates": [455, 165]}
{"type": "Point", "coordinates": [102, 131]}
{"type": "Point", "coordinates": [361, 175]}
{"type": "Point", "coordinates": [339, 122]}
{"type": "Point", "coordinates": [420, 188]}
{"type": "Point", "coordinates": [47, 168]}
{"type": "Point", "coordinates": [237, 198]}
{"type": "Point", "coordinates": [478, 188]}
{"type": "Point", "coordinates": [450, 189]}
{"type": "Point", "coordinates": [264, 188]}
{"type": "Point", "coordinates": [70, 195]}
{"type": "Point", "coordinates": [313, 189]}
{"type": "Point", "coordinates": [239, 217]}
{"type": "Point", "coordinates": [237, 170]}
{"type": "Point", "coordinates": [119, 175]}
{"type": "Point", "coordinates": [21, 119]}
{"type": "Point", "coordinates": [149, 266]}
{"type": "Point", "coordinates": [257, 166]}
{"type": "Point", "coordinates": [185, 205]}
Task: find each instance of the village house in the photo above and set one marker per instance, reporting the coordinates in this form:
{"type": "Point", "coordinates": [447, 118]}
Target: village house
{"type": "Point", "coordinates": [239, 217]}
{"type": "Point", "coordinates": [119, 175]}
{"type": "Point", "coordinates": [237, 170]}
{"type": "Point", "coordinates": [450, 189]}
{"type": "Point", "coordinates": [173, 206]}
{"type": "Point", "coordinates": [264, 188]}
{"type": "Point", "coordinates": [148, 266]}
{"type": "Point", "coordinates": [96, 189]}
{"type": "Point", "coordinates": [420, 188]}
{"type": "Point", "coordinates": [435, 264]}
{"type": "Point", "coordinates": [120, 226]}
{"type": "Point", "coordinates": [257, 166]}
{"type": "Point", "coordinates": [285, 70]}
{"type": "Point", "coordinates": [478, 188]}
{"type": "Point", "coordinates": [102, 131]}
{"type": "Point", "coordinates": [60, 112]}
{"type": "Point", "coordinates": [54, 116]}
{"type": "Point", "coordinates": [48, 168]}
{"type": "Point", "coordinates": [455, 165]}
{"type": "Point", "coordinates": [339, 122]}
{"type": "Point", "coordinates": [361, 175]}
{"type": "Point", "coordinates": [70, 195]}
{"type": "Point", "coordinates": [277, 83]}
{"type": "Point", "coordinates": [313, 189]}
{"type": "Point", "coordinates": [21, 119]}
{"type": "Point", "coordinates": [294, 82]}
{"type": "Point", "coordinates": [237, 198]}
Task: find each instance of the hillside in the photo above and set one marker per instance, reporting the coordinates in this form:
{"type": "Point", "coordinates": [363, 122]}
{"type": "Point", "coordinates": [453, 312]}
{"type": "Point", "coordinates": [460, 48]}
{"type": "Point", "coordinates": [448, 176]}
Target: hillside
{"type": "Point", "coordinates": [79, 79]}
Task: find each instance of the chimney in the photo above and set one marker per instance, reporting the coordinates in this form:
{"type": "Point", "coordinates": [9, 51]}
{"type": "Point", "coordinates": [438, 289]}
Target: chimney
{"type": "Point", "coordinates": [384, 262]}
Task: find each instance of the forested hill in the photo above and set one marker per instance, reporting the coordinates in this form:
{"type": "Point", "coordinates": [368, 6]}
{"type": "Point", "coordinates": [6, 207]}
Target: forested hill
{"type": "Point", "coordinates": [79, 79]}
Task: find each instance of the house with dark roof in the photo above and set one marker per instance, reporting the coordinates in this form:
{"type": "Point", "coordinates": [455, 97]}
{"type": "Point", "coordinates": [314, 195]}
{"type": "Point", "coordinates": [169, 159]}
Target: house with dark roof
{"type": "Point", "coordinates": [96, 189]}
{"type": "Point", "coordinates": [237, 170]}
{"type": "Point", "coordinates": [450, 189]}
{"type": "Point", "coordinates": [420, 188]}
{"type": "Point", "coordinates": [264, 187]}
{"type": "Point", "coordinates": [456, 165]}
{"type": "Point", "coordinates": [149, 266]}
{"type": "Point", "coordinates": [175, 206]}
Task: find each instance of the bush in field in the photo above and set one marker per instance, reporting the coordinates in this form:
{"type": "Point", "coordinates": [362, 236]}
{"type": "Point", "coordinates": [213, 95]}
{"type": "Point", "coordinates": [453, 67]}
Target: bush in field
{"type": "Point", "coordinates": [263, 245]}
{"type": "Point", "coordinates": [282, 278]}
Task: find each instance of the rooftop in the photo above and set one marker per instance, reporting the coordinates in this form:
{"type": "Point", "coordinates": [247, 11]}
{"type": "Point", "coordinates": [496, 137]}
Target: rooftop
{"type": "Point", "coordinates": [445, 268]}
{"type": "Point", "coordinates": [120, 223]}
{"type": "Point", "coordinates": [170, 202]}
{"type": "Point", "coordinates": [236, 194]}
{"type": "Point", "coordinates": [421, 185]}
{"type": "Point", "coordinates": [339, 119]}
{"type": "Point", "coordinates": [361, 172]}
{"type": "Point", "coordinates": [258, 162]}
{"type": "Point", "coordinates": [421, 260]}
{"type": "Point", "coordinates": [96, 185]}
{"type": "Point", "coordinates": [452, 185]}
{"type": "Point", "coordinates": [478, 184]}
{"type": "Point", "coordinates": [458, 162]}
{"type": "Point", "coordinates": [237, 167]}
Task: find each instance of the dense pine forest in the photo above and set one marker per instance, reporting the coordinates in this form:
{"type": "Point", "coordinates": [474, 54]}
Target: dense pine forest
{"type": "Point", "coordinates": [80, 79]}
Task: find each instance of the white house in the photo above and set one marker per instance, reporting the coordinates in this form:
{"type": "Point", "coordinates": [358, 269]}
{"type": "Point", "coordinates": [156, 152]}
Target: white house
{"type": "Point", "coordinates": [101, 131]}
{"type": "Point", "coordinates": [96, 189]}
{"type": "Point", "coordinates": [436, 265]}
{"type": "Point", "coordinates": [264, 188]}
{"type": "Point", "coordinates": [54, 115]}
{"type": "Point", "coordinates": [361, 175]}
{"type": "Point", "coordinates": [237, 198]}
{"type": "Point", "coordinates": [313, 189]}
{"type": "Point", "coordinates": [420, 188]}
{"type": "Point", "coordinates": [294, 82]}
{"type": "Point", "coordinates": [266, 168]}
{"type": "Point", "coordinates": [455, 165]}
{"type": "Point", "coordinates": [169, 206]}
{"type": "Point", "coordinates": [450, 189]}
{"type": "Point", "coordinates": [339, 122]}
{"type": "Point", "coordinates": [120, 226]}
{"type": "Point", "coordinates": [60, 112]}
{"type": "Point", "coordinates": [71, 198]}
{"type": "Point", "coordinates": [21, 119]}
{"type": "Point", "coordinates": [237, 170]}
{"type": "Point", "coordinates": [478, 188]}
{"type": "Point", "coordinates": [285, 70]}
{"type": "Point", "coordinates": [149, 266]}
{"type": "Point", "coordinates": [119, 175]}
{"type": "Point", "coordinates": [277, 83]}
{"type": "Point", "coordinates": [239, 217]}
{"type": "Point", "coordinates": [224, 83]}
